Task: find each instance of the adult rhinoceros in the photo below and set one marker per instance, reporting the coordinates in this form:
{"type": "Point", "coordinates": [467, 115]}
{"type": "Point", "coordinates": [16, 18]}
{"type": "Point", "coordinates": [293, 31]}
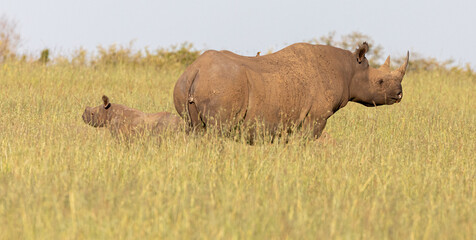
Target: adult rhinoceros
{"type": "Point", "coordinates": [299, 86]}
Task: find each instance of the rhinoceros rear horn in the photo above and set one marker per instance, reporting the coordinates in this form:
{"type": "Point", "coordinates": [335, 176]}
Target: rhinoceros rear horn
{"type": "Point", "coordinates": [386, 65]}
{"type": "Point", "coordinates": [402, 69]}
{"type": "Point", "coordinates": [361, 51]}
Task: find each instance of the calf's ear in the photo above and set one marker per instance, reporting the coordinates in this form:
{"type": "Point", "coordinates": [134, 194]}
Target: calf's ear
{"type": "Point", "coordinates": [361, 51]}
{"type": "Point", "coordinates": [105, 99]}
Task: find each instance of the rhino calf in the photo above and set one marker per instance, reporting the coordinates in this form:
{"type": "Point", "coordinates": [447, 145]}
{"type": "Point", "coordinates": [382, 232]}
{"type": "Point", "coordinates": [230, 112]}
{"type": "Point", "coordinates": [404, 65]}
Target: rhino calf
{"type": "Point", "coordinates": [120, 119]}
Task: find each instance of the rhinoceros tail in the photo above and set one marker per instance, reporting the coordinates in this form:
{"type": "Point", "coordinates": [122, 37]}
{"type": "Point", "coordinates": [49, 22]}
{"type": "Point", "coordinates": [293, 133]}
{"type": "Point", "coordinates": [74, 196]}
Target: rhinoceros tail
{"type": "Point", "coordinates": [191, 105]}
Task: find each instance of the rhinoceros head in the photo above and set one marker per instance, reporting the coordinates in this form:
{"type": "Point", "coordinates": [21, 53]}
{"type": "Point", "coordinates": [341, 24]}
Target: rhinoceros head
{"type": "Point", "coordinates": [97, 116]}
{"type": "Point", "coordinates": [376, 86]}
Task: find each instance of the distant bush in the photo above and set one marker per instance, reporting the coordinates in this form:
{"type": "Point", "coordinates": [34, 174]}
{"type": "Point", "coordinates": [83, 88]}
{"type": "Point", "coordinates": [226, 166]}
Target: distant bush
{"type": "Point", "coordinates": [9, 39]}
{"type": "Point", "coordinates": [126, 55]}
{"type": "Point", "coordinates": [420, 63]}
{"type": "Point", "coordinates": [184, 54]}
{"type": "Point", "coordinates": [45, 56]}
{"type": "Point", "coordinates": [376, 57]}
{"type": "Point", "coordinates": [350, 42]}
{"type": "Point", "coordinates": [118, 55]}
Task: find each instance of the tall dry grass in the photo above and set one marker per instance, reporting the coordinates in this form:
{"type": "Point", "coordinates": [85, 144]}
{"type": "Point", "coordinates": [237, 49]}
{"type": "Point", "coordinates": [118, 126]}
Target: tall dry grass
{"type": "Point", "coordinates": [405, 171]}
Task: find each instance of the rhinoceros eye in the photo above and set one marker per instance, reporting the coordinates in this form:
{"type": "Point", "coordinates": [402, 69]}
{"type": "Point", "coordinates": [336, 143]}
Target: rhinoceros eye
{"type": "Point", "coordinates": [380, 82]}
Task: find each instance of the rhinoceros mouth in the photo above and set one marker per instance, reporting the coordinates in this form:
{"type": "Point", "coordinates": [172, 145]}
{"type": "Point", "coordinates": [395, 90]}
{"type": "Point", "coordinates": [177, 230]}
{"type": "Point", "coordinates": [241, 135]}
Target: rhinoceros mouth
{"type": "Point", "coordinates": [395, 100]}
{"type": "Point", "coordinates": [373, 104]}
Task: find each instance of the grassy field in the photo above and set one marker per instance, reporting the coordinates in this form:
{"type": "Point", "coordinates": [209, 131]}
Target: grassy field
{"type": "Point", "coordinates": [405, 171]}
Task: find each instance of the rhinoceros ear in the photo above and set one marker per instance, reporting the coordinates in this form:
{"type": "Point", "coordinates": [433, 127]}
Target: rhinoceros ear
{"type": "Point", "coordinates": [107, 104]}
{"type": "Point", "coordinates": [361, 51]}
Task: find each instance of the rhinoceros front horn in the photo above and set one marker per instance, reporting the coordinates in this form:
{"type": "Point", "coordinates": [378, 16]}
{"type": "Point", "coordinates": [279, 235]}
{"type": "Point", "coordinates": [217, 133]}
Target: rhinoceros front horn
{"type": "Point", "coordinates": [401, 70]}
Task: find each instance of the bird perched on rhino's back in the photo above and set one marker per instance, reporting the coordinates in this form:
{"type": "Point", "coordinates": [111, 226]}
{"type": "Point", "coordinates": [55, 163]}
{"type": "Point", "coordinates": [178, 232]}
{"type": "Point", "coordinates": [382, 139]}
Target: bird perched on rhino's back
{"type": "Point", "coordinates": [124, 120]}
{"type": "Point", "coordinates": [300, 86]}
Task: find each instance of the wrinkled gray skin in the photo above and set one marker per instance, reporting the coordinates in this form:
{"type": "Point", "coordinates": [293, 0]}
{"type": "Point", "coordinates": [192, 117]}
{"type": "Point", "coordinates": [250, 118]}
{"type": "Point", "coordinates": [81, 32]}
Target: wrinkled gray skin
{"type": "Point", "coordinates": [300, 86]}
{"type": "Point", "coordinates": [124, 120]}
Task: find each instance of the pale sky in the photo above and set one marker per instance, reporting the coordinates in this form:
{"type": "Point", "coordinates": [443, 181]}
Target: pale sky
{"type": "Point", "coordinates": [441, 29]}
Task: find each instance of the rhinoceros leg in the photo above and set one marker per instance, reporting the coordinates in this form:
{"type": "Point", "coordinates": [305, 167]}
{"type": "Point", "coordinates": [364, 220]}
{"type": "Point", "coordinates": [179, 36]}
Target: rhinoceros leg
{"type": "Point", "coordinates": [319, 127]}
{"type": "Point", "coordinates": [316, 126]}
